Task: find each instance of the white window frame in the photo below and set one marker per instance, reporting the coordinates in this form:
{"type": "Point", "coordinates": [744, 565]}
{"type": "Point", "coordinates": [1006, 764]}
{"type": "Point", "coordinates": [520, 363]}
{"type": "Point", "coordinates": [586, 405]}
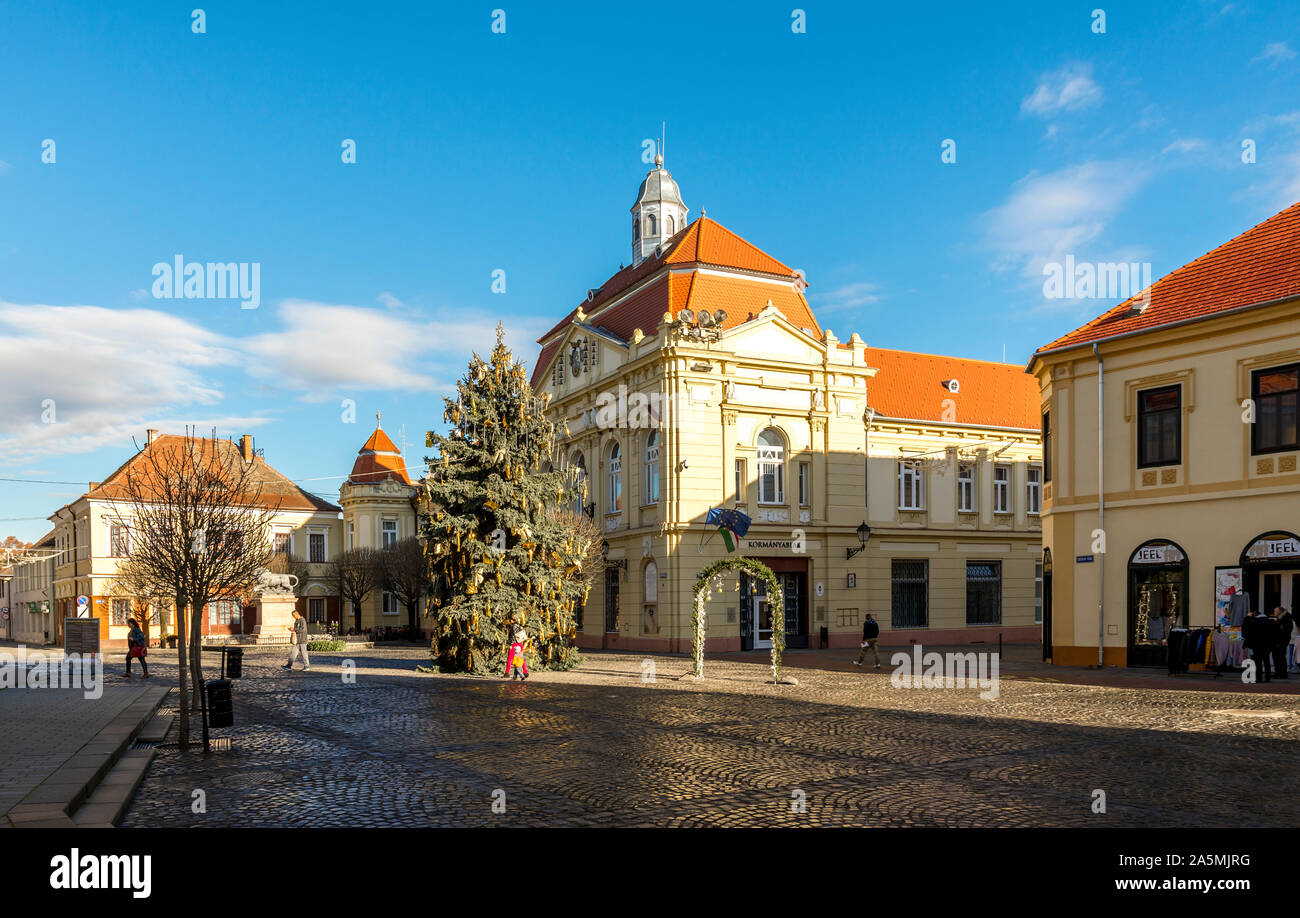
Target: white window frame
{"type": "Point", "coordinates": [325, 545]}
{"type": "Point", "coordinates": [773, 458]}
{"type": "Point", "coordinates": [614, 478]}
{"type": "Point", "coordinates": [652, 468]}
{"type": "Point", "coordinates": [390, 600]}
{"type": "Point", "coordinates": [384, 532]}
{"type": "Point", "coordinates": [288, 535]}
{"type": "Point", "coordinates": [740, 481]}
{"type": "Point", "coordinates": [112, 542]}
{"type": "Point", "coordinates": [352, 536]}
{"type": "Point", "coordinates": [1002, 490]}
{"type": "Point", "coordinates": [911, 485]}
{"type": "Point", "coordinates": [805, 484]}
{"type": "Point", "coordinates": [966, 500]}
{"type": "Point", "coordinates": [1034, 490]}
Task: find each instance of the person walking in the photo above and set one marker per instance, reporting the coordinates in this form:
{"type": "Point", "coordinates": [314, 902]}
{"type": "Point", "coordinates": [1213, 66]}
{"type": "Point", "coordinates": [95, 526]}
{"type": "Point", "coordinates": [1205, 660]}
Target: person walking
{"type": "Point", "coordinates": [1285, 624]}
{"type": "Point", "coordinates": [137, 648]}
{"type": "Point", "coordinates": [516, 659]}
{"type": "Point", "coordinates": [298, 641]}
{"type": "Point", "coordinates": [870, 635]}
{"type": "Point", "coordinates": [1256, 633]}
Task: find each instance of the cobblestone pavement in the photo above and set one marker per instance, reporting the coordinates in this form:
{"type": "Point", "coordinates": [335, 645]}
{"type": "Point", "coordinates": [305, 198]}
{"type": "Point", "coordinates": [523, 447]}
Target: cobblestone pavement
{"type": "Point", "coordinates": [41, 728]}
{"type": "Point", "coordinates": [599, 746]}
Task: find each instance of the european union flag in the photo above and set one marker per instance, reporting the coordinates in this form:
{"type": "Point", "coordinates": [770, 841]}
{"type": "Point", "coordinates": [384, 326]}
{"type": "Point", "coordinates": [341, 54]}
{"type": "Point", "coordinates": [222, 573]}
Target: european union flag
{"type": "Point", "coordinates": [729, 523]}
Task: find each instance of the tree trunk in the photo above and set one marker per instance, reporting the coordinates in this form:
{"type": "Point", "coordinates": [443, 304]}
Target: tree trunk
{"type": "Point", "coordinates": [181, 676]}
{"type": "Point", "coordinates": [196, 657]}
{"type": "Point", "coordinates": [411, 618]}
{"type": "Point", "coordinates": [356, 615]}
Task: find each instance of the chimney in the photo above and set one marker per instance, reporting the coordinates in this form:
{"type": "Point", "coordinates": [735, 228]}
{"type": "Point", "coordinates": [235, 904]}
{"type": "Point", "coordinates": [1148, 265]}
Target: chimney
{"type": "Point", "coordinates": [92, 486]}
{"type": "Point", "coordinates": [246, 447]}
{"type": "Point", "coordinates": [150, 435]}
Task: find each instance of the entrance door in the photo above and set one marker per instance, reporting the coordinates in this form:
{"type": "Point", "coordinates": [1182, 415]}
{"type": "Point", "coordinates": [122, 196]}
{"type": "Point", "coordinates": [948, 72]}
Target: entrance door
{"type": "Point", "coordinates": [762, 622]}
{"type": "Point", "coordinates": [1278, 588]}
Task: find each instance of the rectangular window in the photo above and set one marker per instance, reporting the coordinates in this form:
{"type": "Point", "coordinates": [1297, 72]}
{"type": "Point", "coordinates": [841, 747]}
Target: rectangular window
{"type": "Point", "coordinates": [1275, 394]}
{"type": "Point", "coordinates": [1001, 489]}
{"type": "Point", "coordinates": [740, 481]}
{"type": "Point", "coordinates": [966, 488]}
{"type": "Point", "coordinates": [352, 536]}
{"type": "Point", "coordinates": [1038, 592]}
{"type": "Point", "coordinates": [388, 533]}
{"type": "Point", "coordinates": [911, 486]}
{"type": "Point", "coordinates": [1034, 490]}
{"type": "Point", "coordinates": [1047, 446]}
{"type": "Point", "coordinates": [611, 599]}
{"type": "Point", "coordinates": [390, 603]}
{"type": "Point", "coordinates": [283, 543]}
{"type": "Point", "coordinates": [615, 481]}
{"type": "Point", "coordinates": [316, 610]}
{"type": "Point", "coordinates": [1160, 422]}
{"type": "Point", "coordinates": [805, 484]}
{"type": "Point", "coordinates": [121, 609]}
{"type": "Point", "coordinates": [983, 592]}
{"type": "Point", "coordinates": [119, 538]}
{"type": "Point", "coordinates": [316, 544]}
{"type": "Point", "coordinates": [223, 612]}
{"type": "Point", "coordinates": [771, 475]}
{"type": "Point", "coordinates": [910, 585]}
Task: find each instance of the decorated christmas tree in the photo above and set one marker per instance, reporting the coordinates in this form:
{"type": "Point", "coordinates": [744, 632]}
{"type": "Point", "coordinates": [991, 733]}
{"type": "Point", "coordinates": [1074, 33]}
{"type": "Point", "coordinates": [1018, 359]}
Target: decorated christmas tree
{"type": "Point", "coordinates": [499, 553]}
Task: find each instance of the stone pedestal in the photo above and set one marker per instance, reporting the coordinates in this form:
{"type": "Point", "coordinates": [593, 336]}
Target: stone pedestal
{"type": "Point", "coordinates": [274, 619]}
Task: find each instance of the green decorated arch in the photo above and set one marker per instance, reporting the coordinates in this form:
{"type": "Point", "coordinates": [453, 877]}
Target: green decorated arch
{"type": "Point", "coordinates": [756, 569]}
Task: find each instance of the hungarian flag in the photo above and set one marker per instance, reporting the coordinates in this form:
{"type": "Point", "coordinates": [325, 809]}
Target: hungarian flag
{"type": "Point", "coordinates": [730, 523]}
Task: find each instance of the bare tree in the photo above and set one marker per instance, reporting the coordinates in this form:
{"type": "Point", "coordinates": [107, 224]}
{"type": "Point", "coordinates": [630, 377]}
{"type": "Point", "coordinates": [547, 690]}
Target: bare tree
{"type": "Point", "coordinates": [134, 581]}
{"type": "Point", "coordinates": [406, 574]}
{"type": "Point", "coordinates": [201, 526]}
{"type": "Point", "coordinates": [286, 562]}
{"type": "Point", "coordinates": [359, 571]}
{"type": "Point", "coordinates": [588, 538]}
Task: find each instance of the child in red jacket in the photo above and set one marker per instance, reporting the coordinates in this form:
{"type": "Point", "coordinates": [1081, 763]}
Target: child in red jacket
{"type": "Point", "coordinates": [516, 658]}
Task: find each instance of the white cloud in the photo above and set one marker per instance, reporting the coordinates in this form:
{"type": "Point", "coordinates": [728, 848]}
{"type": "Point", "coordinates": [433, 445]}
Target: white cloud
{"type": "Point", "coordinates": [110, 373]}
{"type": "Point", "coordinates": [849, 296]}
{"type": "Point", "coordinates": [1066, 90]}
{"type": "Point", "coordinates": [1274, 53]}
{"type": "Point", "coordinates": [103, 371]}
{"type": "Point", "coordinates": [1185, 145]}
{"type": "Point", "coordinates": [1065, 212]}
{"type": "Point", "coordinates": [389, 300]}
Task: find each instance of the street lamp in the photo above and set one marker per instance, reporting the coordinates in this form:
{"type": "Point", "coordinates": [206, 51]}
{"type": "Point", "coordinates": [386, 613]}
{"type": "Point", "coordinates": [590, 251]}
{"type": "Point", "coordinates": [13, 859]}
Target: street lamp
{"type": "Point", "coordinates": [864, 533]}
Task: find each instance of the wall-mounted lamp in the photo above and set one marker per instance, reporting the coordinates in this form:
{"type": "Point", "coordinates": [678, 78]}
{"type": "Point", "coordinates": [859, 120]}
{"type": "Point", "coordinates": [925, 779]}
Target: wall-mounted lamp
{"type": "Point", "coordinates": [864, 533]}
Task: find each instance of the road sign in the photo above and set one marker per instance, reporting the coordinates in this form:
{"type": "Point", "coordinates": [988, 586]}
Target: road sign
{"type": "Point", "coordinates": [4, 614]}
{"type": "Point", "coordinates": [1083, 559]}
{"type": "Point", "coordinates": [82, 600]}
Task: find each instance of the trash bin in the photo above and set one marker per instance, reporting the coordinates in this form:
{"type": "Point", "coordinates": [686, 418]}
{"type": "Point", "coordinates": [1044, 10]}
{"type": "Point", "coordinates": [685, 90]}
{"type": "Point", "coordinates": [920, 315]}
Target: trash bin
{"type": "Point", "coordinates": [221, 703]}
{"type": "Point", "coordinates": [234, 663]}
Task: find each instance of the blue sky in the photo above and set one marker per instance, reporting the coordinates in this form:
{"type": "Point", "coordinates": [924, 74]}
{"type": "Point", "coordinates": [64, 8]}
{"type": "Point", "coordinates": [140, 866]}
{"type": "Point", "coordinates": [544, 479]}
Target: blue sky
{"type": "Point", "coordinates": [522, 151]}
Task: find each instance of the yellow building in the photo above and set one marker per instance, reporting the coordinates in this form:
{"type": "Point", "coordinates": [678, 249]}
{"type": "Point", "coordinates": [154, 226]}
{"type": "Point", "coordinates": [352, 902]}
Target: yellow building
{"type": "Point", "coordinates": [92, 535]}
{"type": "Point", "coordinates": [378, 501]}
{"type": "Point", "coordinates": [698, 378]}
{"type": "Point", "coordinates": [1171, 477]}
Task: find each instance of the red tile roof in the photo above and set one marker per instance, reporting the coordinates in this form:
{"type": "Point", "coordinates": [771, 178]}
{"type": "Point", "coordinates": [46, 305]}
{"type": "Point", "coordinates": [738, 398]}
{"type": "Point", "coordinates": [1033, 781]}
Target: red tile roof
{"type": "Point", "coordinates": [379, 459]}
{"type": "Point", "coordinates": [703, 243]}
{"type": "Point", "coordinates": [276, 490]}
{"type": "Point", "coordinates": [1259, 266]}
{"type": "Point", "coordinates": [910, 386]}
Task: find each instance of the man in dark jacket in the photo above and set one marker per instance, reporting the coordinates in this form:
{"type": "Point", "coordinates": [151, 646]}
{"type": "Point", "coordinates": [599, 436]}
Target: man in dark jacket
{"type": "Point", "coordinates": [870, 634]}
{"type": "Point", "coordinates": [1258, 633]}
{"type": "Point", "coordinates": [1284, 625]}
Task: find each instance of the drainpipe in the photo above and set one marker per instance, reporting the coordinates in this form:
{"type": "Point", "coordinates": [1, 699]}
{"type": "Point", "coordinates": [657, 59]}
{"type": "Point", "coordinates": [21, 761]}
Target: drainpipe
{"type": "Point", "coordinates": [1101, 503]}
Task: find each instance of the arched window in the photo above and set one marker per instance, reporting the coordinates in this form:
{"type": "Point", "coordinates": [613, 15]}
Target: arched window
{"type": "Point", "coordinates": [672, 227]}
{"type": "Point", "coordinates": [636, 229]}
{"type": "Point", "coordinates": [651, 225]}
{"type": "Point", "coordinates": [615, 479]}
{"type": "Point", "coordinates": [652, 468]}
{"type": "Point", "coordinates": [771, 467]}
